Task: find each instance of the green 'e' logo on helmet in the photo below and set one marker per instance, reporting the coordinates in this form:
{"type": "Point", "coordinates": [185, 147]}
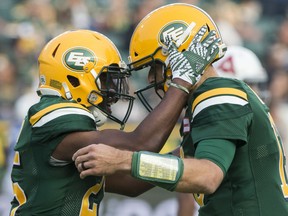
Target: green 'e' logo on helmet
{"type": "Point", "coordinates": [176, 29]}
{"type": "Point", "coordinates": [75, 58]}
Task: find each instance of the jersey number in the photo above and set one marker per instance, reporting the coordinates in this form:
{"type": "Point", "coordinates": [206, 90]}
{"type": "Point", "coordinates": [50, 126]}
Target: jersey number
{"type": "Point", "coordinates": [88, 208]}
{"type": "Point", "coordinates": [19, 195]}
{"type": "Point", "coordinates": [282, 173]}
{"type": "Point", "coordinates": [199, 198]}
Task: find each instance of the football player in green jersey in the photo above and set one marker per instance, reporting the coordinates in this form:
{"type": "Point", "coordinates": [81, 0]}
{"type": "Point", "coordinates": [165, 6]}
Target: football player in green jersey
{"type": "Point", "coordinates": [240, 63]}
{"type": "Point", "coordinates": [238, 160]}
{"type": "Point", "coordinates": [81, 77]}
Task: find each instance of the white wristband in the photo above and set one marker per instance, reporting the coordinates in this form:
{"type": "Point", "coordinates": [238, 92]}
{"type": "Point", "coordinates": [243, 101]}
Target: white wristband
{"type": "Point", "coordinates": [175, 85]}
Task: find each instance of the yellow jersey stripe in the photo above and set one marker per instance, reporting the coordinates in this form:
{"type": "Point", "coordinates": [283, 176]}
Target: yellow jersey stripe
{"type": "Point", "coordinates": [62, 112]}
{"type": "Point", "coordinates": [218, 91]}
{"type": "Point", "coordinates": [222, 99]}
{"type": "Point", "coordinates": [41, 113]}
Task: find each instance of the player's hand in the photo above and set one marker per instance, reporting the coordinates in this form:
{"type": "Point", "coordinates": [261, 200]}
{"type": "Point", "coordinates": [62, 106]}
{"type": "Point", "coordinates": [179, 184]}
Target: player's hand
{"type": "Point", "coordinates": [101, 160]}
{"type": "Point", "coordinates": [190, 64]}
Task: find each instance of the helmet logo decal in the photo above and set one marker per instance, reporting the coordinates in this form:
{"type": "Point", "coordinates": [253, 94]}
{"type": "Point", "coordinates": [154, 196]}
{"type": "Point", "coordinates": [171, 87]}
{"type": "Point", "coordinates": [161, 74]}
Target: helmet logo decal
{"type": "Point", "coordinates": [176, 29]}
{"type": "Point", "coordinates": [74, 59]}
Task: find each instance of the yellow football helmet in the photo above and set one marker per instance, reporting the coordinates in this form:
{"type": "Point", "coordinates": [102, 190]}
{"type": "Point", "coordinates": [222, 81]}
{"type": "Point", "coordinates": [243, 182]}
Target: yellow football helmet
{"type": "Point", "coordinates": [85, 66]}
{"type": "Point", "coordinates": [180, 20]}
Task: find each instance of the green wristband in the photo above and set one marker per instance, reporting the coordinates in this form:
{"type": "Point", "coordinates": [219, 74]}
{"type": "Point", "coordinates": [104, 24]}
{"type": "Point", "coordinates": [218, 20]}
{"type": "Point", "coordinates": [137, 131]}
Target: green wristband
{"type": "Point", "coordinates": [161, 170]}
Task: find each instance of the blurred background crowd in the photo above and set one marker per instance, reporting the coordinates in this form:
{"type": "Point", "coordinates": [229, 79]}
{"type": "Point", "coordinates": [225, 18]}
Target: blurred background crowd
{"type": "Point", "coordinates": [26, 25]}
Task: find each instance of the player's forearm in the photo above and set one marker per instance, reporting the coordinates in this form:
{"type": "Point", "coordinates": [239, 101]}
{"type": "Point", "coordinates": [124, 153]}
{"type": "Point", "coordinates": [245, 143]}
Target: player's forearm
{"type": "Point", "coordinates": [124, 162]}
{"type": "Point", "coordinates": [155, 129]}
{"type": "Point", "coordinates": [199, 176]}
{"type": "Point", "coordinates": [175, 174]}
{"type": "Point", "coordinates": [166, 171]}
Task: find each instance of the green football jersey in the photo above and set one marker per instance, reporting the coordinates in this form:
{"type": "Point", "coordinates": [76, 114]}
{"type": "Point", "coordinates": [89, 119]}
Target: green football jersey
{"type": "Point", "coordinates": [43, 186]}
{"type": "Point", "coordinates": [256, 182]}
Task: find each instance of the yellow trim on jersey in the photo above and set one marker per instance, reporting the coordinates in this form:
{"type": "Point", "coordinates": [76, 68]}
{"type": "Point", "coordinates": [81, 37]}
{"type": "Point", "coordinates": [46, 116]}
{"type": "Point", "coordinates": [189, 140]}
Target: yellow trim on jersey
{"type": "Point", "coordinates": [219, 91]}
{"type": "Point", "coordinates": [86, 209]}
{"type": "Point", "coordinates": [16, 160]}
{"type": "Point", "coordinates": [41, 113]}
{"type": "Point", "coordinates": [20, 197]}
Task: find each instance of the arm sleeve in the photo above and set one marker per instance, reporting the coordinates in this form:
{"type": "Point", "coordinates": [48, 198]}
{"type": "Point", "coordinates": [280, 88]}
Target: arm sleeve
{"type": "Point", "coordinates": [219, 151]}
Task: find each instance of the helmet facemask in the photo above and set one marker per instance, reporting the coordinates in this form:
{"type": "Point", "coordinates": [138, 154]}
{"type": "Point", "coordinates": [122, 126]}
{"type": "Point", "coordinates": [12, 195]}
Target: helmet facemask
{"type": "Point", "coordinates": [152, 67]}
{"type": "Point", "coordinates": [112, 86]}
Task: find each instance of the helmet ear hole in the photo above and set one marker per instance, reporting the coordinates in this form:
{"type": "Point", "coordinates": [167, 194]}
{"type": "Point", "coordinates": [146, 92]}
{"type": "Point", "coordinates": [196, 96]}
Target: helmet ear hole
{"type": "Point", "coordinates": [73, 81]}
{"type": "Point", "coordinates": [208, 27]}
{"type": "Point", "coordinates": [55, 51]}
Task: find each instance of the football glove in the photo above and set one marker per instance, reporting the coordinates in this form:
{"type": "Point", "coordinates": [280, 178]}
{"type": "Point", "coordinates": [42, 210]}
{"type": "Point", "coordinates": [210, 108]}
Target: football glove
{"type": "Point", "coordinates": [190, 64]}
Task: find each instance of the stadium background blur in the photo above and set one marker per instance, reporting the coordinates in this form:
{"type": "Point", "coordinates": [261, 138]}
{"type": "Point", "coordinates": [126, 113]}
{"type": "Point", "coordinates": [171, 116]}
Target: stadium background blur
{"type": "Point", "coordinates": [26, 25]}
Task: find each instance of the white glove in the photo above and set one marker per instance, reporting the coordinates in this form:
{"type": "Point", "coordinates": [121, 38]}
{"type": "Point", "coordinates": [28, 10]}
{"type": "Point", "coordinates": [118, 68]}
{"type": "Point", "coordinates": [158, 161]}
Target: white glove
{"type": "Point", "coordinates": [190, 64]}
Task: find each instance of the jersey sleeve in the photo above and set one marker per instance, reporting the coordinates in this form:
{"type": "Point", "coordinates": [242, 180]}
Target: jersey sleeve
{"type": "Point", "coordinates": [221, 113]}
{"type": "Point", "coordinates": [219, 151]}
{"type": "Point", "coordinates": [54, 122]}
